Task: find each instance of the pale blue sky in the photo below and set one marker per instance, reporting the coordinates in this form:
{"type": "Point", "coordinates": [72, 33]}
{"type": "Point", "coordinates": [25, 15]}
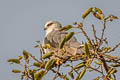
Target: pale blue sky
{"type": "Point", "coordinates": [22, 22]}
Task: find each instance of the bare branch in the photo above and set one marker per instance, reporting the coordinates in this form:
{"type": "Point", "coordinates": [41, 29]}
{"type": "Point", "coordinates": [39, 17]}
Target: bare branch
{"type": "Point", "coordinates": [94, 31]}
{"type": "Point", "coordinates": [96, 70]}
{"type": "Point", "coordinates": [55, 76]}
{"type": "Point", "coordinates": [85, 34]}
{"type": "Point", "coordinates": [26, 72]}
{"type": "Point", "coordinates": [55, 72]}
{"type": "Point", "coordinates": [103, 30]}
{"type": "Point", "coordinates": [33, 57]}
{"type": "Point", "coordinates": [102, 34]}
{"type": "Point", "coordinates": [116, 46]}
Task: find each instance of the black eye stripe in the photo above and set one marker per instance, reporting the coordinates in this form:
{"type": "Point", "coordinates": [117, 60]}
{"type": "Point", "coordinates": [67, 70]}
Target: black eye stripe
{"type": "Point", "coordinates": [49, 24]}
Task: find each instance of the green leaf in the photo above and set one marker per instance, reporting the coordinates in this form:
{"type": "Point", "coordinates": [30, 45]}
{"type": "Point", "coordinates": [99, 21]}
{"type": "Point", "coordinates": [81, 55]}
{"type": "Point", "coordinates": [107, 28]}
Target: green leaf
{"type": "Point", "coordinates": [65, 78]}
{"type": "Point", "coordinates": [36, 46]}
{"type": "Point", "coordinates": [47, 55]}
{"type": "Point", "coordinates": [67, 27]}
{"type": "Point", "coordinates": [97, 78]}
{"type": "Point", "coordinates": [114, 17]}
{"type": "Point", "coordinates": [39, 75]}
{"type": "Point", "coordinates": [98, 10]}
{"type": "Point", "coordinates": [80, 75]}
{"type": "Point", "coordinates": [19, 57]}
{"type": "Point", "coordinates": [38, 41]}
{"type": "Point", "coordinates": [37, 64]}
{"type": "Point", "coordinates": [50, 64]}
{"type": "Point", "coordinates": [75, 23]}
{"type": "Point", "coordinates": [87, 52]}
{"type": "Point", "coordinates": [46, 46]}
{"type": "Point", "coordinates": [16, 71]}
{"type": "Point", "coordinates": [62, 43]}
{"type": "Point", "coordinates": [25, 54]}
{"type": "Point", "coordinates": [111, 71]}
{"type": "Point", "coordinates": [98, 62]}
{"type": "Point", "coordinates": [88, 62]}
{"type": "Point", "coordinates": [67, 37]}
{"type": "Point", "coordinates": [115, 65]}
{"type": "Point", "coordinates": [105, 49]}
{"type": "Point", "coordinates": [17, 61]}
{"type": "Point", "coordinates": [78, 66]}
{"type": "Point", "coordinates": [85, 14]}
{"type": "Point", "coordinates": [71, 74]}
{"type": "Point", "coordinates": [31, 73]}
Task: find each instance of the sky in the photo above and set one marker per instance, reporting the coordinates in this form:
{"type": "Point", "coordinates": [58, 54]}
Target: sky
{"type": "Point", "coordinates": [22, 23]}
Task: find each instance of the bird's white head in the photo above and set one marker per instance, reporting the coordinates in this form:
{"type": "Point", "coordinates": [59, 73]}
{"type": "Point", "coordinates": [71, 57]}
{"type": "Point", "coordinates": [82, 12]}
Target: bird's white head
{"type": "Point", "coordinates": [51, 25]}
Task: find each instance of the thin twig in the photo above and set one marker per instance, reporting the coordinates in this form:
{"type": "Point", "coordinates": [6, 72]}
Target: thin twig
{"type": "Point", "coordinates": [110, 56]}
{"type": "Point", "coordinates": [101, 68]}
{"type": "Point", "coordinates": [26, 72]}
{"type": "Point", "coordinates": [103, 30]}
{"type": "Point", "coordinates": [59, 74]}
{"type": "Point", "coordinates": [116, 46]}
{"type": "Point", "coordinates": [114, 76]}
{"type": "Point", "coordinates": [94, 31]}
{"type": "Point", "coordinates": [106, 42]}
{"type": "Point", "coordinates": [104, 63]}
{"type": "Point", "coordinates": [78, 32]}
{"type": "Point", "coordinates": [56, 73]}
{"type": "Point", "coordinates": [102, 34]}
{"type": "Point", "coordinates": [35, 58]}
{"type": "Point", "coordinates": [73, 68]}
{"type": "Point", "coordinates": [85, 34]}
{"type": "Point", "coordinates": [112, 61]}
{"type": "Point", "coordinates": [96, 70]}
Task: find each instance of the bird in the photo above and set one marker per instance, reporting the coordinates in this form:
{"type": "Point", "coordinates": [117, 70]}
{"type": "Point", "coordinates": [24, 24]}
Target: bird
{"type": "Point", "coordinates": [53, 37]}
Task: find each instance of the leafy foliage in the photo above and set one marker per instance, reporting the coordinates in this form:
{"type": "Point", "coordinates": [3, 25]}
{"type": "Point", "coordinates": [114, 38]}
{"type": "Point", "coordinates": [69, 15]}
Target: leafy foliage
{"type": "Point", "coordinates": [96, 51]}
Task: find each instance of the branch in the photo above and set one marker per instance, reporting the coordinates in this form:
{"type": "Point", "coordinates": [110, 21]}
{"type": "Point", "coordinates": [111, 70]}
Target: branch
{"type": "Point", "coordinates": [114, 58]}
{"type": "Point", "coordinates": [104, 63]}
{"type": "Point", "coordinates": [26, 72]}
{"type": "Point", "coordinates": [116, 46]}
{"type": "Point", "coordinates": [35, 58]}
{"type": "Point", "coordinates": [103, 30]}
{"type": "Point", "coordinates": [94, 31]}
{"type": "Point", "coordinates": [85, 34]}
{"type": "Point", "coordinates": [56, 73]}
{"type": "Point", "coordinates": [96, 70]}
{"type": "Point", "coordinates": [102, 34]}
{"type": "Point", "coordinates": [41, 52]}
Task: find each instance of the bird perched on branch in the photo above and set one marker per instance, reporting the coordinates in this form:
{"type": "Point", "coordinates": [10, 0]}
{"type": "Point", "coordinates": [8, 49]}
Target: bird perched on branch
{"type": "Point", "coordinates": [53, 37]}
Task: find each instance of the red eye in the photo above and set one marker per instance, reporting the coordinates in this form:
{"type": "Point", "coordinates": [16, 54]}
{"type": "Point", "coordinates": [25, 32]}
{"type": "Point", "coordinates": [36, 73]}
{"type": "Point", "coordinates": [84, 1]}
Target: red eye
{"type": "Point", "coordinates": [50, 24]}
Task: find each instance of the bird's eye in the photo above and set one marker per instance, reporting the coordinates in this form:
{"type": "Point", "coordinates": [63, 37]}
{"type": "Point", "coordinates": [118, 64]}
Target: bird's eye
{"type": "Point", "coordinates": [50, 24]}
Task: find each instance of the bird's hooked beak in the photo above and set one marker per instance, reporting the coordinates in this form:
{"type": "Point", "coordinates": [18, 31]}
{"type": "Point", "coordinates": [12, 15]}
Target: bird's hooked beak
{"type": "Point", "coordinates": [48, 25]}
{"type": "Point", "coordinates": [45, 28]}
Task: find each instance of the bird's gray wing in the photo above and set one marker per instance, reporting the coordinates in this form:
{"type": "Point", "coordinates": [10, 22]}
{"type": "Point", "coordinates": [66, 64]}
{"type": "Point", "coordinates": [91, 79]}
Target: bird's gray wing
{"type": "Point", "coordinates": [55, 37]}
